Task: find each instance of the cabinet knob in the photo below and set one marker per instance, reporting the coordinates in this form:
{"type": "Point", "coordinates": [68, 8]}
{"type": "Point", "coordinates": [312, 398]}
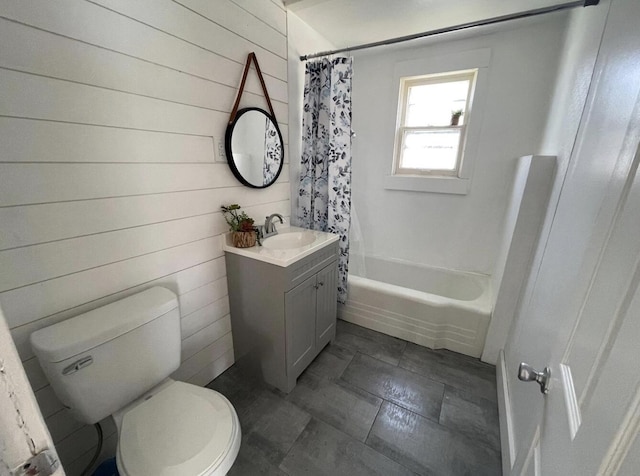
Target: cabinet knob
{"type": "Point", "coordinates": [320, 283]}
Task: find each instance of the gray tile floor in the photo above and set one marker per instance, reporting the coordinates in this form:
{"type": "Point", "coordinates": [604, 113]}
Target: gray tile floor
{"type": "Point", "coordinates": [370, 404]}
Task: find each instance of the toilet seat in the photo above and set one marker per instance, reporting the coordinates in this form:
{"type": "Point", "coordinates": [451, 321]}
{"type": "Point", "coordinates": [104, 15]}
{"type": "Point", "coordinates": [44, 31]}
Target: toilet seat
{"type": "Point", "coordinates": [182, 430]}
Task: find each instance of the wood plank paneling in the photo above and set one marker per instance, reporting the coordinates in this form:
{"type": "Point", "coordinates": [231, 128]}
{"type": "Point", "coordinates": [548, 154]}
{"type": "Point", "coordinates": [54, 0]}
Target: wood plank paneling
{"type": "Point", "coordinates": [135, 39]}
{"type": "Point", "coordinates": [61, 425]}
{"type": "Point", "coordinates": [56, 56]}
{"type": "Point", "coordinates": [27, 307]}
{"type": "Point", "coordinates": [202, 296]}
{"type": "Point", "coordinates": [268, 12]}
{"type": "Point", "coordinates": [198, 320]}
{"type": "Point", "coordinates": [279, 4]}
{"type": "Point", "coordinates": [180, 282]}
{"type": "Point", "coordinates": [192, 27]}
{"type": "Point", "coordinates": [28, 225]}
{"type": "Point", "coordinates": [25, 140]}
{"type": "Point", "coordinates": [33, 183]}
{"type": "Point", "coordinates": [211, 371]}
{"type": "Point", "coordinates": [38, 97]}
{"type": "Point", "coordinates": [37, 379]}
{"type": "Point", "coordinates": [39, 263]}
{"type": "Point", "coordinates": [248, 26]}
{"type": "Point", "coordinates": [110, 116]}
{"type": "Point", "coordinates": [28, 140]}
{"type": "Point", "coordinates": [48, 402]}
{"type": "Point", "coordinates": [198, 341]}
{"type": "Point", "coordinates": [26, 304]}
{"type": "Point", "coordinates": [21, 184]}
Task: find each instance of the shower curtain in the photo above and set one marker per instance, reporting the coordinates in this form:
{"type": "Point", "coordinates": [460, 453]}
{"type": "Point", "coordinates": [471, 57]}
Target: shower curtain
{"type": "Point", "coordinates": [324, 198]}
{"type": "Point", "coordinates": [272, 152]}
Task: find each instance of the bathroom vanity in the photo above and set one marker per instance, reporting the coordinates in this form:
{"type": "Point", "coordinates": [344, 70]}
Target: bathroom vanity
{"type": "Point", "coordinates": [283, 302]}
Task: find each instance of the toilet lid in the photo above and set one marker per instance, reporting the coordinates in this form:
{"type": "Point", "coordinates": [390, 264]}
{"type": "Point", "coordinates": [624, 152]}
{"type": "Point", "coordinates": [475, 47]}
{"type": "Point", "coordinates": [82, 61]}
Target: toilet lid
{"type": "Point", "coordinates": [181, 430]}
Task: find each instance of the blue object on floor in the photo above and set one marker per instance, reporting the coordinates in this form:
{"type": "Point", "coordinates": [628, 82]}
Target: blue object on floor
{"type": "Point", "coordinates": [107, 468]}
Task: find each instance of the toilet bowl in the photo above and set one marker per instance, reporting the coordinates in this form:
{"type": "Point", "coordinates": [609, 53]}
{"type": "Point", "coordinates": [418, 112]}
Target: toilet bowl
{"type": "Point", "coordinates": [116, 360]}
{"type": "Point", "coordinates": [177, 429]}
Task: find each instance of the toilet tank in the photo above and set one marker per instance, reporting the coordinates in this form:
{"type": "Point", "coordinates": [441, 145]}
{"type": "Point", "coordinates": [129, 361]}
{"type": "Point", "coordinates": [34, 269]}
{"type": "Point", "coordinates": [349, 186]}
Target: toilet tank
{"type": "Point", "coordinates": [100, 361]}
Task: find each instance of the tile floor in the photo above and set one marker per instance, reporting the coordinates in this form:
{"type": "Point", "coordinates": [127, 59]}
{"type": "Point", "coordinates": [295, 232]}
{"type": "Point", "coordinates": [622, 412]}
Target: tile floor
{"type": "Point", "coordinates": [370, 404]}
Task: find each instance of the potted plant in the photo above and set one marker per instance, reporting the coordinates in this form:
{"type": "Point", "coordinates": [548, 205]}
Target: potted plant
{"type": "Point", "coordinates": [455, 116]}
{"type": "Point", "coordinates": [243, 233]}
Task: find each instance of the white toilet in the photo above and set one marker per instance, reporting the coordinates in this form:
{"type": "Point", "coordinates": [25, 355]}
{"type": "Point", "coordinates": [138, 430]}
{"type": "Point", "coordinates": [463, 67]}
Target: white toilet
{"type": "Point", "coordinates": [116, 360]}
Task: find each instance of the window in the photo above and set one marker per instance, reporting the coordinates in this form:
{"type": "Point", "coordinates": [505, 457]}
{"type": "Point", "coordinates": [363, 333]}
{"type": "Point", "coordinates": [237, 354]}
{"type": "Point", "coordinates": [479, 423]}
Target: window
{"type": "Point", "coordinates": [433, 113]}
{"type": "Point", "coordinates": [442, 157]}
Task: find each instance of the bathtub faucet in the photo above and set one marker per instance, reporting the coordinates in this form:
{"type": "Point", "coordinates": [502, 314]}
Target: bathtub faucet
{"type": "Point", "coordinates": [270, 227]}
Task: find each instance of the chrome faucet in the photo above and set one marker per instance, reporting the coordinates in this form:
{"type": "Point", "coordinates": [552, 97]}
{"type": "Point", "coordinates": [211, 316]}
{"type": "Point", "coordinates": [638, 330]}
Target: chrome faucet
{"type": "Point", "coordinates": [269, 227]}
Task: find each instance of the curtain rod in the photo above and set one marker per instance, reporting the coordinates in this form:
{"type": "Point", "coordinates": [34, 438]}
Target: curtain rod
{"type": "Point", "coordinates": [462, 26]}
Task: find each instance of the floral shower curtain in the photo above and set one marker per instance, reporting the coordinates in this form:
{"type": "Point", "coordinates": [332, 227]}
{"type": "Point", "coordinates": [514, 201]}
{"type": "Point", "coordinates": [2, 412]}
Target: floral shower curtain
{"type": "Point", "coordinates": [272, 152]}
{"type": "Point", "coordinates": [324, 201]}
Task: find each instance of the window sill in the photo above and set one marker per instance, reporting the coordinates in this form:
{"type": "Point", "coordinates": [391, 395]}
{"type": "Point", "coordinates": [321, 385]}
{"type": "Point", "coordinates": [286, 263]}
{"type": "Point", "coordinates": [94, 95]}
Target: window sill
{"type": "Point", "coordinates": [415, 183]}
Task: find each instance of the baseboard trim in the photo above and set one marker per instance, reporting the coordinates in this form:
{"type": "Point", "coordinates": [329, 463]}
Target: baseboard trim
{"type": "Point", "coordinates": [507, 442]}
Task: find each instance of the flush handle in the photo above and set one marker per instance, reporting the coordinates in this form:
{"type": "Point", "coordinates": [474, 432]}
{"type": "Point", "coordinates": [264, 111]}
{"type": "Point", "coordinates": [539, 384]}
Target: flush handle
{"type": "Point", "coordinates": [526, 373]}
{"type": "Point", "coordinates": [77, 365]}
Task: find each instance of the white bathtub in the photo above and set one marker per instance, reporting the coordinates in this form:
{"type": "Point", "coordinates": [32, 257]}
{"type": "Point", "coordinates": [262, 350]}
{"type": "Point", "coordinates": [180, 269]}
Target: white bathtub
{"type": "Point", "coordinates": [437, 308]}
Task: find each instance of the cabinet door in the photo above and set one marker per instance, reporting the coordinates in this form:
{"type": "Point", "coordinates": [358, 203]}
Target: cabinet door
{"type": "Point", "coordinates": [326, 304]}
{"type": "Point", "coordinates": [300, 313]}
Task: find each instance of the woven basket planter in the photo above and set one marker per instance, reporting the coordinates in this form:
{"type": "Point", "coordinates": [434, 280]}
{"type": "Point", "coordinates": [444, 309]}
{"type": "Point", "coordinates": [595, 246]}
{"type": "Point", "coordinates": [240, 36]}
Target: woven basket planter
{"type": "Point", "coordinates": [243, 239]}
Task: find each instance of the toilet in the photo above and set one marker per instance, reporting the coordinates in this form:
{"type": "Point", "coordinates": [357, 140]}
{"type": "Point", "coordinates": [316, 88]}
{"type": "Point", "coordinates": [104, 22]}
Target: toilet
{"type": "Point", "coordinates": [116, 360]}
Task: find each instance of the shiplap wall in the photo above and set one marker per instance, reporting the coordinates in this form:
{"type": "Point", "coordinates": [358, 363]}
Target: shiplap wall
{"type": "Point", "coordinates": [110, 115]}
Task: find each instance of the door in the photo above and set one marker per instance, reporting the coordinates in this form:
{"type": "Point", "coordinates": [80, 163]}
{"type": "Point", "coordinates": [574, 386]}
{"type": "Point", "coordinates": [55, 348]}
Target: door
{"type": "Point", "coordinates": [326, 305]}
{"type": "Point", "coordinates": [300, 317]}
{"type": "Point", "coordinates": [582, 316]}
{"type": "Point", "coordinates": [23, 433]}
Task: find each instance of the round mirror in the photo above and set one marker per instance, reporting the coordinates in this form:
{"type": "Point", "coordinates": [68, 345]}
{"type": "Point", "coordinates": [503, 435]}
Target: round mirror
{"type": "Point", "coordinates": [254, 148]}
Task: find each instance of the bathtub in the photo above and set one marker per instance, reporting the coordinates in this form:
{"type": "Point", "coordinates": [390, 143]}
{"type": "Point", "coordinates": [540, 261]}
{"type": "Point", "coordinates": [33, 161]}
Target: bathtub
{"type": "Point", "coordinates": [434, 307]}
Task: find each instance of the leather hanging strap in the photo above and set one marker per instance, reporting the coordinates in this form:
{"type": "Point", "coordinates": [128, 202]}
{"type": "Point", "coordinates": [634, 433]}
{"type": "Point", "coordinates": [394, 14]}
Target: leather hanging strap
{"type": "Point", "coordinates": [234, 111]}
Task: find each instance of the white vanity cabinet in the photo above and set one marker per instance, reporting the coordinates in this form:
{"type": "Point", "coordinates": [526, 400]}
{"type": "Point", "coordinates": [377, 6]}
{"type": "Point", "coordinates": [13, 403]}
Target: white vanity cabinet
{"type": "Point", "coordinates": [282, 316]}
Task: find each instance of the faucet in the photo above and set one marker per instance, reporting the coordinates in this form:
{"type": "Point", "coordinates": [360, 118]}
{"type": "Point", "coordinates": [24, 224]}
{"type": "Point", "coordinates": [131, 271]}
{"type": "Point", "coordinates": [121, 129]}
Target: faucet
{"type": "Point", "coordinates": [269, 227]}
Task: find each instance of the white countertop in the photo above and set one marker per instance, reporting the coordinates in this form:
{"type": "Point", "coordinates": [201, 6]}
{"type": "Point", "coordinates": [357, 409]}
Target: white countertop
{"type": "Point", "coordinates": [282, 258]}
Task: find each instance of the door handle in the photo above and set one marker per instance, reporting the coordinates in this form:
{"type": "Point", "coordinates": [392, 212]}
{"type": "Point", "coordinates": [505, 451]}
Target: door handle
{"type": "Point", "coordinates": [526, 373]}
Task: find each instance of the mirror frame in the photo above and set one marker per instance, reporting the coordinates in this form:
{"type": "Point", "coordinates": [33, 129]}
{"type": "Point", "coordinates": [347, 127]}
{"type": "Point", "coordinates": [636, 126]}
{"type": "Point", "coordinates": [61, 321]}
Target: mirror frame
{"type": "Point", "coordinates": [229, 151]}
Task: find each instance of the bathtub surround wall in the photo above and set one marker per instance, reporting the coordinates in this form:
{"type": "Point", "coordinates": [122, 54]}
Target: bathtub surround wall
{"type": "Point", "coordinates": [521, 229]}
{"type": "Point", "coordinates": [580, 48]}
{"type": "Point", "coordinates": [111, 118]}
{"type": "Point", "coordinates": [437, 229]}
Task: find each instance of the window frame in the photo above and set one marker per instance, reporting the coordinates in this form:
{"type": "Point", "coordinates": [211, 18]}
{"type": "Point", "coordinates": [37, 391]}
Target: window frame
{"type": "Point", "coordinates": [408, 82]}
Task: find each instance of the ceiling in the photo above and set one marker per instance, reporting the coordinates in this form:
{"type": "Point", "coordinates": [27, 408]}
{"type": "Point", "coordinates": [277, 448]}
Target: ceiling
{"type": "Point", "coordinates": [353, 22]}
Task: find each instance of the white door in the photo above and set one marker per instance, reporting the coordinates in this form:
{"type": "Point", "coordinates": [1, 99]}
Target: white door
{"type": "Point", "coordinates": [583, 316]}
{"type": "Point", "coordinates": [23, 433]}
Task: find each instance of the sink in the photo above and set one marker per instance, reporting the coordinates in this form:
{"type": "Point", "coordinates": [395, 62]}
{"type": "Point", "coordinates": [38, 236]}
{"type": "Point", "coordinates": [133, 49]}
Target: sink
{"type": "Point", "coordinates": [290, 245]}
{"type": "Point", "coordinates": [289, 241]}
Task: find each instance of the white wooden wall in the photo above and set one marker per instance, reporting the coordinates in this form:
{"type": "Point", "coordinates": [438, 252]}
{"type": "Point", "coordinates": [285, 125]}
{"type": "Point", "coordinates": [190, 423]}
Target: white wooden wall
{"type": "Point", "coordinates": [110, 116]}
